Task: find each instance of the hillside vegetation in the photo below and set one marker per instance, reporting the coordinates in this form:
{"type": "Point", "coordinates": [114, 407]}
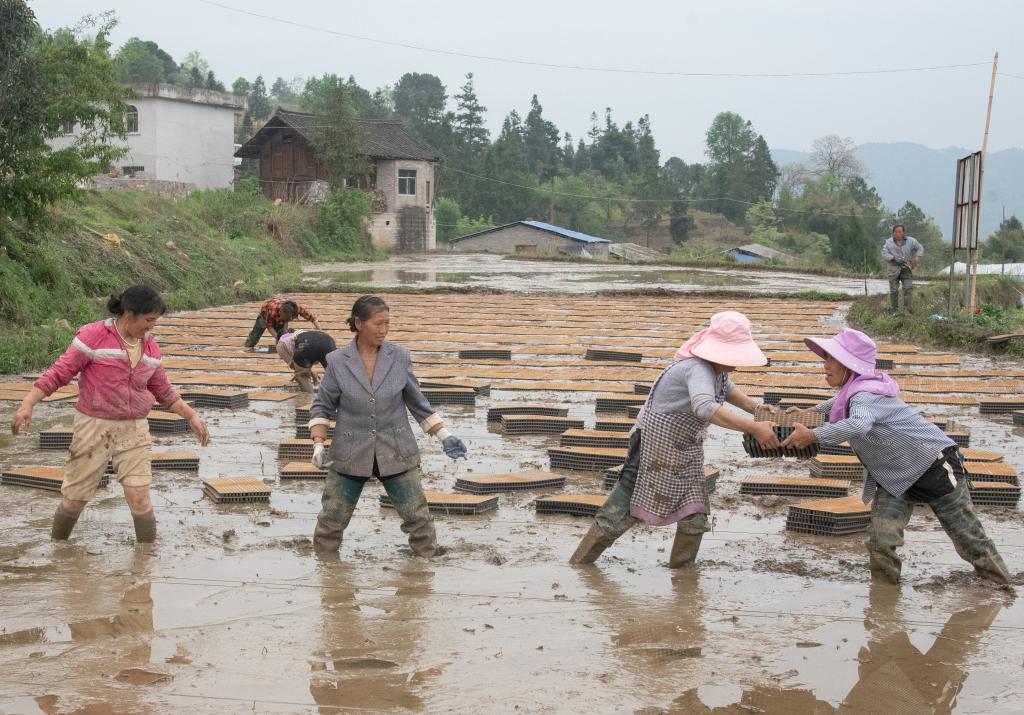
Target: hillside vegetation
{"type": "Point", "coordinates": [209, 248]}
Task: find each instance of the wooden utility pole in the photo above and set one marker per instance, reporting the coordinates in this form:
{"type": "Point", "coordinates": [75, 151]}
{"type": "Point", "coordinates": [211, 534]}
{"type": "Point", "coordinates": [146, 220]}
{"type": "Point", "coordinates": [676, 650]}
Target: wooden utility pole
{"type": "Point", "coordinates": [981, 175]}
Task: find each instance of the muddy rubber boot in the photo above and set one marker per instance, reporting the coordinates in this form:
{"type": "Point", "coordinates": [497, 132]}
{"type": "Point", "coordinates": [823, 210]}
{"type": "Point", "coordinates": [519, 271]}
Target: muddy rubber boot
{"type": "Point", "coordinates": [956, 514]}
{"type": "Point", "coordinates": [410, 502]}
{"type": "Point", "coordinates": [592, 546]}
{"type": "Point", "coordinates": [63, 524]}
{"type": "Point", "coordinates": [337, 506]}
{"type": "Point", "coordinates": [689, 533]}
{"type": "Point", "coordinates": [906, 302]}
{"type": "Point", "coordinates": [894, 301]}
{"type": "Point", "coordinates": [145, 527]}
{"type": "Point", "coordinates": [889, 517]}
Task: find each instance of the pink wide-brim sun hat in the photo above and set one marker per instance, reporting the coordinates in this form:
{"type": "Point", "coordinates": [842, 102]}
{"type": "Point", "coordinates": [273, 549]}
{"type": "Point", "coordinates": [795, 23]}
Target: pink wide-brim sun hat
{"type": "Point", "coordinates": [727, 341]}
{"type": "Point", "coordinates": [852, 348]}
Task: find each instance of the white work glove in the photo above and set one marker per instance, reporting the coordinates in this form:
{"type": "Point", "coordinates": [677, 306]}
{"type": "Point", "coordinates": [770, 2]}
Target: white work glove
{"type": "Point", "coordinates": [321, 460]}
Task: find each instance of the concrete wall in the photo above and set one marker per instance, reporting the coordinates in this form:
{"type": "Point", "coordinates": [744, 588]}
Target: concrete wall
{"type": "Point", "coordinates": [385, 227]}
{"type": "Point", "coordinates": [520, 239]}
{"type": "Point", "coordinates": [179, 139]}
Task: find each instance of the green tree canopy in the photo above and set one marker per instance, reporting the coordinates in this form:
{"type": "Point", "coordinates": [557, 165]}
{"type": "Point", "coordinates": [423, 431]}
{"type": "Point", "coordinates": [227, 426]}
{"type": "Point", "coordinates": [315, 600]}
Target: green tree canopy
{"type": "Point", "coordinates": [1006, 245]}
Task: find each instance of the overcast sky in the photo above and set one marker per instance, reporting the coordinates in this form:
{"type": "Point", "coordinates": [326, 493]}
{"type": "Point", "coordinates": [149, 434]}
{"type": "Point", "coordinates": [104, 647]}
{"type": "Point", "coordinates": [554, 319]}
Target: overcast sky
{"type": "Point", "coordinates": [936, 108]}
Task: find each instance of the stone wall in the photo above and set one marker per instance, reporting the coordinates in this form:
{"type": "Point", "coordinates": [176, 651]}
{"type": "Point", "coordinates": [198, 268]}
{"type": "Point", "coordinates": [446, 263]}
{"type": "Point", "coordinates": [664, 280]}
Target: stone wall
{"type": "Point", "coordinates": [167, 189]}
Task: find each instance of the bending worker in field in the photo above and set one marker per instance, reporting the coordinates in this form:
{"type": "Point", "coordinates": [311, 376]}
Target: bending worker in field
{"type": "Point", "coordinates": [300, 349]}
{"type": "Point", "coordinates": [662, 481]}
{"type": "Point", "coordinates": [908, 459]}
{"type": "Point", "coordinates": [369, 384]}
{"type": "Point", "coordinates": [120, 376]}
{"type": "Point", "coordinates": [274, 316]}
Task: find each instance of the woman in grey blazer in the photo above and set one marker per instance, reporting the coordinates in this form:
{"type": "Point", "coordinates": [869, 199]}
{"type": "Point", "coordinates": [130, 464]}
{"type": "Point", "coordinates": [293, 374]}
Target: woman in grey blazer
{"type": "Point", "coordinates": [369, 385]}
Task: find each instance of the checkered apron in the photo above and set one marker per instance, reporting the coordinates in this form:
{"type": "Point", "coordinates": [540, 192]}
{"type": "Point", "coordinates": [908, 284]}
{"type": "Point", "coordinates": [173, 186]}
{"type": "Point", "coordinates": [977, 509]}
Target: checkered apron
{"type": "Point", "coordinates": [670, 482]}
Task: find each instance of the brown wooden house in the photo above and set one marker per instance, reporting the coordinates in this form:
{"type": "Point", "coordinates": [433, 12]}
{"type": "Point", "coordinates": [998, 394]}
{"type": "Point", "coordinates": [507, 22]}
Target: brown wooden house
{"type": "Point", "coordinates": [401, 175]}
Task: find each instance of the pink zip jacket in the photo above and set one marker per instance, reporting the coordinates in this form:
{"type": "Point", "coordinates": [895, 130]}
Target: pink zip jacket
{"type": "Point", "coordinates": [108, 386]}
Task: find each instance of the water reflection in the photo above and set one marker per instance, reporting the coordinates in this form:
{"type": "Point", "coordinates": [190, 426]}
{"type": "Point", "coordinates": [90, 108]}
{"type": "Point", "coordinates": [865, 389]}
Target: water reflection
{"type": "Point", "coordinates": [370, 640]}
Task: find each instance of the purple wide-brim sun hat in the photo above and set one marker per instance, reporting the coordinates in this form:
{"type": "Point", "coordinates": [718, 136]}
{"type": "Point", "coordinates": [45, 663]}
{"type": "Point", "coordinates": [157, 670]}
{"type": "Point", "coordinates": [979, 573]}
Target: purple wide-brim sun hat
{"type": "Point", "coordinates": [852, 348]}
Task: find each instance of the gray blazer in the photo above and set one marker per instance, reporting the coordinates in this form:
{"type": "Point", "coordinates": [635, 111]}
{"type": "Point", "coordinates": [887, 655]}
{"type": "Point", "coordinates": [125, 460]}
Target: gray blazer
{"type": "Point", "coordinates": [371, 419]}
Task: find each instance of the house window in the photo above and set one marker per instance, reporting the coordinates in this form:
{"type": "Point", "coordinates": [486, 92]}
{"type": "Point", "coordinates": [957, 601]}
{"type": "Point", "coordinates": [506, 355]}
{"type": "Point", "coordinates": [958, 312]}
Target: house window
{"type": "Point", "coordinates": [130, 171]}
{"type": "Point", "coordinates": [131, 119]}
{"type": "Point", "coordinates": [67, 128]}
{"type": "Point", "coordinates": [407, 182]}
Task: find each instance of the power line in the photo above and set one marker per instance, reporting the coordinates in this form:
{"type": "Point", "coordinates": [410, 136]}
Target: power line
{"type": "Point", "coordinates": [1007, 74]}
{"type": "Point", "coordinates": [588, 68]}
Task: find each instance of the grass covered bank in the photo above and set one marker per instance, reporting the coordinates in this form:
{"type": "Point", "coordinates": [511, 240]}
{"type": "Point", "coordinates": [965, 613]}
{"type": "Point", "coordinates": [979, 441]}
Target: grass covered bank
{"type": "Point", "coordinates": [209, 248]}
{"type": "Point", "coordinates": [999, 312]}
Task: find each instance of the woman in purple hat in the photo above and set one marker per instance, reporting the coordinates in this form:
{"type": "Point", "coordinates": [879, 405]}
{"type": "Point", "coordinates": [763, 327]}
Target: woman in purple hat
{"type": "Point", "coordinates": [908, 459]}
{"type": "Point", "coordinates": [662, 481]}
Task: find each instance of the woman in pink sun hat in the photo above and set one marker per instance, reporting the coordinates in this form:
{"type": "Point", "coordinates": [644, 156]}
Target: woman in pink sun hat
{"type": "Point", "coordinates": [908, 459]}
{"type": "Point", "coordinates": [662, 481]}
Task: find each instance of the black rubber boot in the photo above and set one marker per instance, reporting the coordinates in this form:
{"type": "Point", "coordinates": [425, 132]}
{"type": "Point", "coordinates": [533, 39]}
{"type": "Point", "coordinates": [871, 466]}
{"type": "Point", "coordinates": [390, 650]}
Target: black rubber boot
{"type": "Point", "coordinates": [63, 524]}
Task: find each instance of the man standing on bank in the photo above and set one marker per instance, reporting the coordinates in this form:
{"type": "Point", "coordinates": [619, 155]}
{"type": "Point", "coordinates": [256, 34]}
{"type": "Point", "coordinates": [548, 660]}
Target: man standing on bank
{"type": "Point", "coordinates": [662, 481]}
{"type": "Point", "coordinates": [274, 316]}
{"type": "Point", "coordinates": [369, 384]}
{"type": "Point", "coordinates": [120, 376]}
{"type": "Point", "coordinates": [908, 459]}
{"type": "Point", "coordinates": [901, 255]}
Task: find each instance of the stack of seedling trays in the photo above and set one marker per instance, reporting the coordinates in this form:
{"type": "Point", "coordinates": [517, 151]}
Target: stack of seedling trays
{"type": "Point", "coordinates": [642, 388]}
{"type": "Point", "coordinates": [225, 399]}
{"type": "Point", "coordinates": [994, 493]}
{"type": "Point", "coordinates": [991, 472]}
{"type": "Point", "coordinates": [1000, 405]}
{"type": "Point", "coordinates": [619, 403]}
{"type": "Point", "coordinates": [774, 397]}
{"type": "Point", "coordinates": [441, 503]}
{"type": "Point", "coordinates": [883, 363]}
{"type": "Point", "coordinates": [753, 449]}
{"type": "Point", "coordinates": [165, 423]}
{"type": "Point", "coordinates": [494, 414]}
{"type": "Point", "coordinates": [941, 422]}
{"type": "Point", "coordinates": [808, 418]}
{"type": "Point", "coordinates": [450, 396]}
{"type": "Point", "coordinates": [809, 487]}
{"type": "Point", "coordinates": [302, 430]}
{"type": "Point", "coordinates": [633, 411]}
{"type": "Point", "coordinates": [614, 424]}
{"type": "Point", "coordinates": [829, 517]}
{"type": "Point", "coordinates": [614, 355]}
{"type": "Point", "coordinates": [518, 481]}
{"type": "Point", "coordinates": [788, 402]}
{"type": "Point", "coordinates": [538, 424]}
{"type": "Point", "coordinates": [981, 455]}
{"type": "Point", "coordinates": [181, 461]}
{"type": "Point", "coordinates": [594, 438]}
{"type": "Point", "coordinates": [295, 450]}
{"type": "Point", "coordinates": [1018, 417]}
{"type": "Point", "coordinates": [48, 478]}
{"type": "Point", "coordinates": [585, 459]}
{"type": "Point", "coordinates": [843, 448]}
{"type": "Point", "coordinates": [837, 466]}
{"type": "Point", "coordinates": [236, 490]}
{"type": "Point", "coordinates": [485, 354]}
{"type": "Point", "coordinates": [56, 438]}
{"type": "Point", "coordinates": [302, 470]}
{"type": "Point", "coordinates": [302, 415]}
{"type": "Point", "coordinates": [480, 387]}
{"type": "Point", "coordinates": [571, 504]}
{"type": "Point", "coordinates": [961, 439]}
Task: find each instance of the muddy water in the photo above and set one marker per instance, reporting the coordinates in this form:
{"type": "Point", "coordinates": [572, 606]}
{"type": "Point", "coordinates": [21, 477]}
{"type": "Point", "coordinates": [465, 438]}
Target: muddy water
{"type": "Point", "coordinates": [499, 273]}
{"type": "Point", "coordinates": [234, 609]}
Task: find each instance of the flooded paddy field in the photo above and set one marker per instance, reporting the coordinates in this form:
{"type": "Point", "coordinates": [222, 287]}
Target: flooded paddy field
{"type": "Point", "coordinates": [506, 274]}
{"type": "Point", "coordinates": [231, 611]}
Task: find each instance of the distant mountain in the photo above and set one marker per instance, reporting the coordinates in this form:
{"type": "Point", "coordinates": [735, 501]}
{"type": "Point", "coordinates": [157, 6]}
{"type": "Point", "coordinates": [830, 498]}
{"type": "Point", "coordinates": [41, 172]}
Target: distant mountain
{"type": "Point", "coordinates": [904, 171]}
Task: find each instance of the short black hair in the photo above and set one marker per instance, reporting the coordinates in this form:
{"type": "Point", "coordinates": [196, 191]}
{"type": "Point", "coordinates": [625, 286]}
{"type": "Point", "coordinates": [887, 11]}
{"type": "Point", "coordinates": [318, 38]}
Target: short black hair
{"type": "Point", "coordinates": [139, 299]}
{"type": "Point", "coordinates": [899, 225]}
{"type": "Point", "coordinates": [291, 307]}
{"type": "Point", "coordinates": [364, 309]}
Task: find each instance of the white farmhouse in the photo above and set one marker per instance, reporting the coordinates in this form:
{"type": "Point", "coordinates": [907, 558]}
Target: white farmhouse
{"type": "Point", "coordinates": [177, 135]}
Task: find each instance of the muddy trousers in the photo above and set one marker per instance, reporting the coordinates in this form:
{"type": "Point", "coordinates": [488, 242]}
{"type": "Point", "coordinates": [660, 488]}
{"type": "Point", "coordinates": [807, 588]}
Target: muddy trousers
{"type": "Point", "coordinates": [906, 278]}
{"type": "Point", "coordinates": [341, 493]}
{"type": "Point", "coordinates": [890, 515]}
{"type": "Point", "coordinates": [613, 520]}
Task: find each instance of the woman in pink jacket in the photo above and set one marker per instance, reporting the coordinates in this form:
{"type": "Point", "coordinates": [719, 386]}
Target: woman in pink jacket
{"type": "Point", "coordinates": [120, 376]}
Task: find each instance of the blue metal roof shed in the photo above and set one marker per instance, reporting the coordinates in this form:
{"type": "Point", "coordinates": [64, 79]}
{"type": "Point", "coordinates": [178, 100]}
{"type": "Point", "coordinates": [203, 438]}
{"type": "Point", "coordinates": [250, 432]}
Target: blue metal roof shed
{"type": "Point", "coordinates": [534, 237]}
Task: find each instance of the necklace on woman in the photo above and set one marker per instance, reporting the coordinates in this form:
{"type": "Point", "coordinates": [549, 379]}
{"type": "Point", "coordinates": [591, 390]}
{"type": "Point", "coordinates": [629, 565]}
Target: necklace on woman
{"type": "Point", "coordinates": [124, 339]}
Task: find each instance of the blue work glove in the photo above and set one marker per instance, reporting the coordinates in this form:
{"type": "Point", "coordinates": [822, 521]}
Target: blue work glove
{"type": "Point", "coordinates": [454, 447]}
